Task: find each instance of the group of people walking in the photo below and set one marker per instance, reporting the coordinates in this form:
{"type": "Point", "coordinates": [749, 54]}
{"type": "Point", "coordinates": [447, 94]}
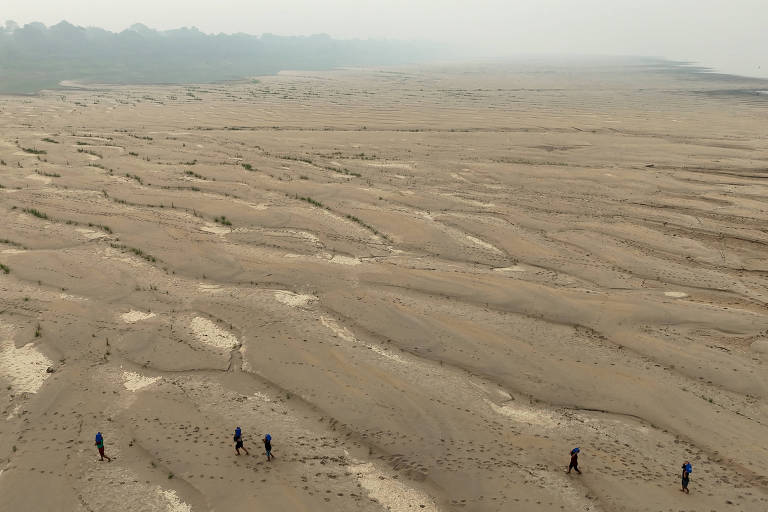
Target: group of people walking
{"type": "Point", "coordinates": [238, 445]}
{"type": "Point", "coordinates": [267, 440]}
{"type": "Point", "coordinates": [686, 475]}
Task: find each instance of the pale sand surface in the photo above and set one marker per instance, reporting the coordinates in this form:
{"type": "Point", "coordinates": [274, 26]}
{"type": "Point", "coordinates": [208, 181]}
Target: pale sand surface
{"type": "Point", "coordinates": [436, 282]}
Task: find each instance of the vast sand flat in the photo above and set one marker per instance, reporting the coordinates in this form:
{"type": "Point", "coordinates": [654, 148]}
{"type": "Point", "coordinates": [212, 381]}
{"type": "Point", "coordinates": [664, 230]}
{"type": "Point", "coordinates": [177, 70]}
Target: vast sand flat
{"type": "Point", "coordinates": [427, 284]}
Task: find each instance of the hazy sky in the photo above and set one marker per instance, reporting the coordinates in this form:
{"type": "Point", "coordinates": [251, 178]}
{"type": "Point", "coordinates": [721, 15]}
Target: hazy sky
{"type": "Point", "coordinates": [731, 35]}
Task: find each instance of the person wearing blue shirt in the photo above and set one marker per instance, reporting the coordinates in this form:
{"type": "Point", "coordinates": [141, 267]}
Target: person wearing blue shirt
{"type": "Point", "coordinates": [686, 476]}
{"type": "Point", "coordinates": [239, 442]}
{"type": "Point", "coordinates": [574, 460]}
{"type": "Point", "coordinates": [268, 447]}
{"type": "Point", "coordinates": [100, 445]}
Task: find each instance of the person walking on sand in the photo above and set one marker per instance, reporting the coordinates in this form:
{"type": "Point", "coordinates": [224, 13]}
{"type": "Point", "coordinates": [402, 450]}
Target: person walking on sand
{"type": "Point", "coordinates": [268, 446]}
{"type": "Point", "coordinates": [100, 445]}
{"type": "Point", "coordinates": [574, 460]}
{"type": "Point", "coordinates": [686, 476]}
{"type": "Point", "coordinates": [239, 442]}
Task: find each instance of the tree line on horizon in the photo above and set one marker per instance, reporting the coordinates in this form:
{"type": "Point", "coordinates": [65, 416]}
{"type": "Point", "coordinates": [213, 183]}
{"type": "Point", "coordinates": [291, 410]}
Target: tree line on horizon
{"type": "Point", "coordinates": [35, 57]}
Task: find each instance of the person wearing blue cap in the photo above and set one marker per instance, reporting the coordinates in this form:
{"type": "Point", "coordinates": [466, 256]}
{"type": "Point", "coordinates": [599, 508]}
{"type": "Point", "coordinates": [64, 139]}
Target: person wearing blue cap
{"type": "Point", "coordinates": [239, 442]}
{"type": "Point", "coordinates": [574, 460]}
{"type": "Point", "coordinates": [100, 445]}
{"type": "Point", "coordinates": [687, 468]}
{"type": "Point", "coordinates": [268, 446]}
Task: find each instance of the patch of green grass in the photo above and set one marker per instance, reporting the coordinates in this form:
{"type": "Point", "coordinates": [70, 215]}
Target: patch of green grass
{"type": "Point", "coordinates": [88, 152]}
{"type": "Point", "coordinates": [196, 175]}
{"type": "Point", "coordinates": [133, 153]}
{"type": "Point", "coordinates": [311, 201]}
{"type": "Point", "coordinates": [137, 252]}
{"type": "Point", "coordinates": [34, 151]}
{"type": "Point", "coordinates": [247, 167]}
{"type": "Point", "coordinates": [48, 139]}
{"type": "Point", "coordinates": [343, 171]}
{"type": "Point", "coordinates": [102, 227]}
{"type": "Point", "coordinates": [49, 174]}
{"type": "Point", "coordinates": [10, 242]}
{"type": "Point", "coordinates": [5, 268]}
{"type": "Point", "coordinates": [223, 220]}
{"type": "Point", "coordinates": [366, 226]}
{"type": "Point", "coordinates": [36, 213]}
{"type": "Point", "coordinates": [134, 177]}
{"type": "Point", "coordinates": [297, 158]}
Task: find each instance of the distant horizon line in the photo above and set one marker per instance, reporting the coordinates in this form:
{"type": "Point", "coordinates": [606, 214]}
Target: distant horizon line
{"type": "Point", "coordinates": [139, 27]}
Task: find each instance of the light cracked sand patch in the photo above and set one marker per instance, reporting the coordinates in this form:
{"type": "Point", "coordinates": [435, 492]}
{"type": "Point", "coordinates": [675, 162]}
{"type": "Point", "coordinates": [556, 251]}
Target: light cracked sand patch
{"type": "Point", "coordinates": [90, 234]}
{"type": "Point", "coordinates": [345, 260]}
{"type": "Point", "coordinates": [210, 288]}
{"type": "Point", "coordinates": [341, 332]}
{"type": "Point", "coordinates": [392, 165]}
{"type": "Point", "coordinates": [512, 269]}
{"type": "Point", "coordinates": [483, 244]}
{"type": "Point", "coordinates": [216, 230]}
{"type": "Point", "coordinates": [392, 494]}
{"type": "Point", "coordinates": [172, 500]}
{"type": "Point", "coordinates": [67, 296]}
{"type": "Point", "coordinates": [294, 300]}
{"type": "Point", "coordinates": [131, 496]}
{"type": "Point", "coordinates": [134, 316]}
{"type": "Point", "coordinates": [134, 382]}
{"type": "Point", "coordinates": [24, 367]}
{"type": "Point", "coordinates": [211, 334]}
{"type": "Point", "coordinates": [523, 414]}
{"type": "Point", "coordinates": [676, 295]}
{"type": "Point", "coordinates": [346, 335]}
